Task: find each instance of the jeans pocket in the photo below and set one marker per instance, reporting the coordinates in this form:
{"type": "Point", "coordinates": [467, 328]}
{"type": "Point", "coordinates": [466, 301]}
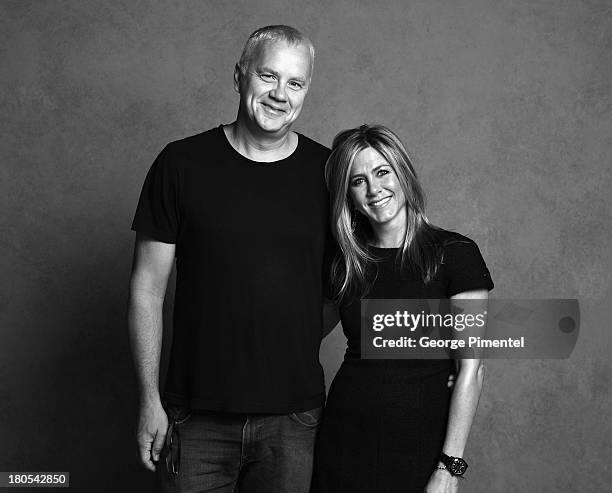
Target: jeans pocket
{"type": "Point", "coordinates": [309, 419]}
{"type": "Point", "coordinates": [177, 416]}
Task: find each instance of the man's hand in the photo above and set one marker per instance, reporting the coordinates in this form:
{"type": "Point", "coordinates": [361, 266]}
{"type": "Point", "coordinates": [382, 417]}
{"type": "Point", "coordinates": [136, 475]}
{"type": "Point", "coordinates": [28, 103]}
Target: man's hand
{"type": "Point", "coordinates": [441, 482]}
{"type": "Point", "coordinates": [151, 433]}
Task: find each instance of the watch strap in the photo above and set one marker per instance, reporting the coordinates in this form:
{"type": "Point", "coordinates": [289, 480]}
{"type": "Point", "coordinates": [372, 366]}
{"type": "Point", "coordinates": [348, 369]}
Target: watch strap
{"type": "Point", "coordinates": [456, 466]}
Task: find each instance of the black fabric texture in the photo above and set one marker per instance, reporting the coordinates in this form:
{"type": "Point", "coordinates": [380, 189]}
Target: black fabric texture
{"type": "Point", "coordinates": [385, 420]}
{"type": "Point", "coordinates": [250, 240]}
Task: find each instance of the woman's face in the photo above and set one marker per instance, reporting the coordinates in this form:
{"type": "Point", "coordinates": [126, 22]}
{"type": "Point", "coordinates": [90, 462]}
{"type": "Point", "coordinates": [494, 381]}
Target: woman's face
{"type": "Point", "coordinates": [376, 191]}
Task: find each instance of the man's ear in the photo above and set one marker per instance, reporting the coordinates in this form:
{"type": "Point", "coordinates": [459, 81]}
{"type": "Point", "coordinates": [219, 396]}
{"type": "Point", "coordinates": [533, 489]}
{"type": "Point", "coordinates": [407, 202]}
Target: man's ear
{"type": "Point", "coordinates": [237, 75]}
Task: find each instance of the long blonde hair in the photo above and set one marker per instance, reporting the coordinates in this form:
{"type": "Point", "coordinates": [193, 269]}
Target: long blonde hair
{"type": "Point", "coordinates": [420, 250]}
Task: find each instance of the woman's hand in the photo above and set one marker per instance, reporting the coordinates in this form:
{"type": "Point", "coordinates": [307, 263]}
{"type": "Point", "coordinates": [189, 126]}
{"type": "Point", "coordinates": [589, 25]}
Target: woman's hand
{"type": "Point", "coordinates": [442, 481]}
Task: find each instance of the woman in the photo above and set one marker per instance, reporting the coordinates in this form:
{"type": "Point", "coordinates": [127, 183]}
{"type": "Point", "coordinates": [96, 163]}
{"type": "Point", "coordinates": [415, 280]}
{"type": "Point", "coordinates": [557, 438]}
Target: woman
{"type": "Point", "coordinates": [388, 423]}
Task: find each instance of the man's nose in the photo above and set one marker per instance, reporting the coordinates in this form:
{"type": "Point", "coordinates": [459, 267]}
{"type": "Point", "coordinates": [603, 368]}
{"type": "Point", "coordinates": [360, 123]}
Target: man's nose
{"type": "Point", "coordinates": [279, 93]}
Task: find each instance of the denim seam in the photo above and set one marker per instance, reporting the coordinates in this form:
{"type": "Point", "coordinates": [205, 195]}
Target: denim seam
{"type": "Point", "coordinates": [243, 444]}
{"type": "Point", "coordinates": [295, 417]}
{"type": "Point", "coordinates": [184, 420]}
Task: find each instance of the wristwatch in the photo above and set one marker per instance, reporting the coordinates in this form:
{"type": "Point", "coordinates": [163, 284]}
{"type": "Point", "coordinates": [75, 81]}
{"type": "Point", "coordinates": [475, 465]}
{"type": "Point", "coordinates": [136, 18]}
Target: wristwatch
{"type": "Point", "coordinates": [455, 465]}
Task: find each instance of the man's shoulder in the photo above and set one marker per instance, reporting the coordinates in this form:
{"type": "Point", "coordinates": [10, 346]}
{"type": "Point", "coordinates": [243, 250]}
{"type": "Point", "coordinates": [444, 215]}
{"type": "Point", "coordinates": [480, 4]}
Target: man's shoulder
{"type": "Point", "coordinates": [196, 141]}
{"type": "Point", "coordinates": [311, 146]}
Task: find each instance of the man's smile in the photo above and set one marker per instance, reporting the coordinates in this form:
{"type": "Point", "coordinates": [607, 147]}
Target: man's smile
{"type": "Point", "coordinates": [273, 109]}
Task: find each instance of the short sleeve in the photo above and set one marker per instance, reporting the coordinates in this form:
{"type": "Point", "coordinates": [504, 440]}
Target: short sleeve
{"type": "Point", "coordinates": [466, 269]}
{"type": "Point", "coordinates": [157, 213]}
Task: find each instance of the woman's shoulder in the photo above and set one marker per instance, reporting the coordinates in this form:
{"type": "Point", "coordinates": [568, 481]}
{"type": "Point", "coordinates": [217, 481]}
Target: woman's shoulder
{"type": "Point", "coordinates": [451, 240]}
{"type": "Point", "coordinates": [457, 248]}
{"type": "Point", "coordinates": [462, 263]}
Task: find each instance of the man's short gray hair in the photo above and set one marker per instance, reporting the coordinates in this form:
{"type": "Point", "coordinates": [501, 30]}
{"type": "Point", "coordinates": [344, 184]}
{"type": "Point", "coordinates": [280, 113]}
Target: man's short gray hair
{"type": "Point", "coordinates": [288, 34]}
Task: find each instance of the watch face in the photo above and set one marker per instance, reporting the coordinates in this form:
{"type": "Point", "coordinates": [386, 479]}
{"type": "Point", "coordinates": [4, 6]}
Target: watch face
{"type": "Point", "coordinates": [457, 466]}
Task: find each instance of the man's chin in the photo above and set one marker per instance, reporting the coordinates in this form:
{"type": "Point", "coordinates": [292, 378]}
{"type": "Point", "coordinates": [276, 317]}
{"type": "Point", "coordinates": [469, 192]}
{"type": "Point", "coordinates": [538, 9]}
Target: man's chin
{"type": "Point", "coordinates": [273, 128]}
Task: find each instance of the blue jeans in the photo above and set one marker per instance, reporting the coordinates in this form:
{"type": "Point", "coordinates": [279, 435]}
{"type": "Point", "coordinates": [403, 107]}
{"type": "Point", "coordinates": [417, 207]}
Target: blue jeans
{"type": "Point", "coordinates": [233, 452]}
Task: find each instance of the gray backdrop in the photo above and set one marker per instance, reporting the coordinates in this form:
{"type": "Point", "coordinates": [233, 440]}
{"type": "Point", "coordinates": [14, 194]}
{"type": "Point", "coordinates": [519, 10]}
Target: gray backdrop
{"type": "Point", "coordinates": [505, 106]}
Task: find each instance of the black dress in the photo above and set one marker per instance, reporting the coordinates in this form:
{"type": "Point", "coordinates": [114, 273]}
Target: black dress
{"type": "Point", "coordinates": [385, 420]}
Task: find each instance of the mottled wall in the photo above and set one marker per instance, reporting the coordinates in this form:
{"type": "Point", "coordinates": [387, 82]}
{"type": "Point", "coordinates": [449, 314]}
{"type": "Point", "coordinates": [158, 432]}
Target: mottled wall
{"type": "Point", "coordinates": [507, 109]}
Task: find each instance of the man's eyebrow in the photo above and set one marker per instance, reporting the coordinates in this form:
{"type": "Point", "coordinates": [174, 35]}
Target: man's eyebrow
{"type": "Point", "coordinates": [264, 69]}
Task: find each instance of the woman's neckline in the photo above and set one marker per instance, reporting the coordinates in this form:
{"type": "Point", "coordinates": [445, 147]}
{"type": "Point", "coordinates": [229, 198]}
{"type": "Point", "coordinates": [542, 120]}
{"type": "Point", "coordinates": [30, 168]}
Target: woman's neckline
{"type": "Point", "coordinates": [383, 248]}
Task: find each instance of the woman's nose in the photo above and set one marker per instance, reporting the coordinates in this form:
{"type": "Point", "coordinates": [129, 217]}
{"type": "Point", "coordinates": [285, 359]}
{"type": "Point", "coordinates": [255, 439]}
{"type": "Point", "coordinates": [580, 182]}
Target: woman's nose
{"type": "Point", "coordinates": [374, 187]}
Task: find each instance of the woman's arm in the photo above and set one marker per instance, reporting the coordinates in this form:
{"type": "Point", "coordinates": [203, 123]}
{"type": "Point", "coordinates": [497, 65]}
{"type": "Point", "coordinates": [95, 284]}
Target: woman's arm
{"type": "Point", "coordinates": [464, 402]}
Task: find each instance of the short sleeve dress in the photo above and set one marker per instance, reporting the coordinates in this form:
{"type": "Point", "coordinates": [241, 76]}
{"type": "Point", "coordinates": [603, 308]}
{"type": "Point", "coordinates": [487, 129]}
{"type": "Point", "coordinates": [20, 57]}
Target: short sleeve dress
{"type": "Point", "coordinates": [385, 420]}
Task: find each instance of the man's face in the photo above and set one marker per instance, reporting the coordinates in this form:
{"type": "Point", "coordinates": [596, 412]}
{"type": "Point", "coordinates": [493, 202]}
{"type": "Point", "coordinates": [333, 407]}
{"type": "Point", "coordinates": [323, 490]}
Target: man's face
{"type": "Point", "coordinates": [274, 86]}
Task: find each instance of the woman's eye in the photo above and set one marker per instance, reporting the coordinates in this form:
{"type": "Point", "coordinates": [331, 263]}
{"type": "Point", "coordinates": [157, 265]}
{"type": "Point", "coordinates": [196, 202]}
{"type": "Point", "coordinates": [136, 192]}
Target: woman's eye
{"type": "Point", "coordinates": [383, 172]}
{"type": "Point", "coordinates": [357, 181]}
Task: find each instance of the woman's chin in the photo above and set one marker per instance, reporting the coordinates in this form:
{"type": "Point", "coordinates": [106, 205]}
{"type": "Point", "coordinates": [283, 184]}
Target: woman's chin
{"type": "Point", "coordinates": [384, 219]}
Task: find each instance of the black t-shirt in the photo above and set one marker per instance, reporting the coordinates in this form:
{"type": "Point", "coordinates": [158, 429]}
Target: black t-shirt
{"type": "Point", "coordinates": [462, 269]}
{"type": "Point", "coordinates": [250, 240]}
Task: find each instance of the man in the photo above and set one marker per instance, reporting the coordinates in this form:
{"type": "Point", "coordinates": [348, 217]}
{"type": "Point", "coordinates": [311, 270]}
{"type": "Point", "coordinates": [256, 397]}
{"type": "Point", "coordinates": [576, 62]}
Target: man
{"type": "Point", "coordinates": [243, 208]}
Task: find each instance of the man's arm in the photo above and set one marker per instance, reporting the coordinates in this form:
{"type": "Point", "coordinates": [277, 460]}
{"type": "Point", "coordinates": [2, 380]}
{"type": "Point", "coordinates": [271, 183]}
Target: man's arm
{"type": "Point", "coordinates": [331, 317]}
{"type": "Point", "coordinates": [152, 264]}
